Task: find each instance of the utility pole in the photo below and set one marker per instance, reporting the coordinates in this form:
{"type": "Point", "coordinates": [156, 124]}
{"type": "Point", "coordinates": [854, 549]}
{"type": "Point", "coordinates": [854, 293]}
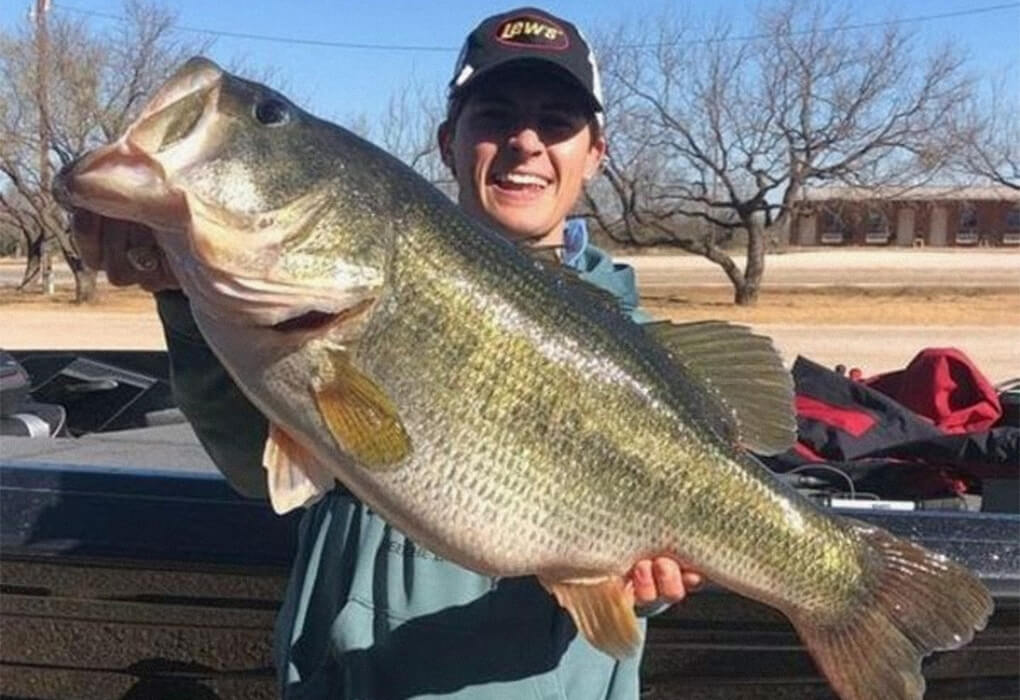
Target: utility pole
{"type": "Point", "coordinates": [42, 53]}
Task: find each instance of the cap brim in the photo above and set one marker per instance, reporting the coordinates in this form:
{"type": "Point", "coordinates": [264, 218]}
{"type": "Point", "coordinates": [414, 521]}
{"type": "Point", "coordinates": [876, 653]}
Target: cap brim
{"type": "Point", "coordinates": [502, 64]}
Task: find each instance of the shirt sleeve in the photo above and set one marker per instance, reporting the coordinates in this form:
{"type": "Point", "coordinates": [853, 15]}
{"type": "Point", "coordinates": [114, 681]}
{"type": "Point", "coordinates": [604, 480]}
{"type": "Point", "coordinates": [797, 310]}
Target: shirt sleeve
{"type": "Point", "coordinates": [230, 428]}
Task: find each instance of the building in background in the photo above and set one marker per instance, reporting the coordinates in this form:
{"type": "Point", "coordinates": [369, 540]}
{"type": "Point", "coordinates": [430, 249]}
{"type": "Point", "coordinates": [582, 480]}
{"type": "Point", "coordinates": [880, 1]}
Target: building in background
{"type": "Point", "coordinates": [918, 216]}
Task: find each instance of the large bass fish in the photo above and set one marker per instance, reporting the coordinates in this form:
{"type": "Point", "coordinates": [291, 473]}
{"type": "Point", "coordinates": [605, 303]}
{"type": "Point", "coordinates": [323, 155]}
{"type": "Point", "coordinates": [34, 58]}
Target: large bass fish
{"type": "Point", "coordinates": [499, 412]}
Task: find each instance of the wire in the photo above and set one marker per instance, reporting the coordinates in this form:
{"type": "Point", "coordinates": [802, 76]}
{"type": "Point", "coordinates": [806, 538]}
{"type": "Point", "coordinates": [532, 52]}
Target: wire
{"type": "Point", "coordinates": [829, 467]}
{"type": "Point", "coordinates": [449, 49]}
{"type": "Point", "coordinates": [270, 37]}
{"type": "Point", "coordinates": [849, 27]}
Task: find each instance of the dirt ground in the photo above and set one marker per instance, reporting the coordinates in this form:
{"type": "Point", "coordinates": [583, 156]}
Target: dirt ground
{"type": "Point", "coordinates": [902, 306]}
{"type": "Point", "coordinates": [837, 305]}
{"type": "Point", "coordinates": [860, 319]}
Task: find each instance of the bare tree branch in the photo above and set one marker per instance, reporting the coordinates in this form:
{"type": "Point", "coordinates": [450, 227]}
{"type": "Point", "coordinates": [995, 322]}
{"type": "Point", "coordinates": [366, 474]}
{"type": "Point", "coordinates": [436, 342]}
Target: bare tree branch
{"type": "Point", "coordinates": [729, 132]}
{"type": "Point", "coordinates": [93, 84]}
{"type": "Point", "coordinates": [987, 134]}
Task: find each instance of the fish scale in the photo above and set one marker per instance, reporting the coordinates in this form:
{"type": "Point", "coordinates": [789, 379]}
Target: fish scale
{"type": "Point", "coordinates": [594, 519]}
{"type": "Point", "coordinates": [487, 403]}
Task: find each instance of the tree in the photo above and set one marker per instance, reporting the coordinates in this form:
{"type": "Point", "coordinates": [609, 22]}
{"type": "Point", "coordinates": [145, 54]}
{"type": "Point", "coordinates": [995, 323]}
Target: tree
{"type": "Point", "coordinates": [64, 90]}
{"type": "Point", "coordinates": [730, 129]}
{"type": "Point", "coordinates": [988, 135]}
{"type": "Point", "coordinates": [407, 129]}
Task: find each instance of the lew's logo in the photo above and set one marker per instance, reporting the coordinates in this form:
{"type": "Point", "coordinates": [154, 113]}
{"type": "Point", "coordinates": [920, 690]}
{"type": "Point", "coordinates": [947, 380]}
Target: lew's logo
{"type": "Point", "coordinates": [533, 32]}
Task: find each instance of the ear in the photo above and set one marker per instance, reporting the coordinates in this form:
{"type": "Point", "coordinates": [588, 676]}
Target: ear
{"type": "Point", "coordinates": [444, 136]}
{"type": "Point", "coordinates": [596, 154]}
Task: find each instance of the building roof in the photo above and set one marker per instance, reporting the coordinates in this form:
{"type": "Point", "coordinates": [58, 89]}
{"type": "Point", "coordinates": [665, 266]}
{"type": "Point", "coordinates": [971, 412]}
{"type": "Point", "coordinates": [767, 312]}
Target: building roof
{"type": "Point", "coordinates": [907, 193]}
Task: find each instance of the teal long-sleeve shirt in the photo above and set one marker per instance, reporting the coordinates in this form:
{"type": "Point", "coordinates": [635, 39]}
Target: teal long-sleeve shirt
{"type": "Point", "coordinates": [367, 613]}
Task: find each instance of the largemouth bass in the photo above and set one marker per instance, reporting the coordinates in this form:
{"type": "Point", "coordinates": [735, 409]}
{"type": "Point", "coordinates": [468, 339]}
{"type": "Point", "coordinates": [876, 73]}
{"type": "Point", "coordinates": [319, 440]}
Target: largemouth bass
{"type": "Point", "coordinates": [491, 406]}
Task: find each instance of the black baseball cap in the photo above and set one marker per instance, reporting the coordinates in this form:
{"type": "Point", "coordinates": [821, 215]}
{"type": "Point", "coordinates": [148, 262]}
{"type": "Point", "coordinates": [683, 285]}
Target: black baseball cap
{"type": "Point", "coordinates": [532, 35]}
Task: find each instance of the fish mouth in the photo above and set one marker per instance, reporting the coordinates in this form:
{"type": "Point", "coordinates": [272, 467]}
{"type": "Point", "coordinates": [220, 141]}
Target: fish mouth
{"type": "Point", "coordinates": [316, 320]}
{"type": "Point", "coordinates": [308, 321]}
{"type": "Point", "coordinates": [128, 179]}
{"type": "Point", "coordinates": [280, 306]}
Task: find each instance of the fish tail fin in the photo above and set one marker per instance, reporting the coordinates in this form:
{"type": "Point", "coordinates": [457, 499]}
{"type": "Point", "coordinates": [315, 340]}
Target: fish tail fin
{"type": "Point", "coordinates": [918, 602]}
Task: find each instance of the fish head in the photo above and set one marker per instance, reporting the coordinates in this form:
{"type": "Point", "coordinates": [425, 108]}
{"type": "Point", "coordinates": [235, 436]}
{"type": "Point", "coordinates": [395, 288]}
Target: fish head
{"type": "Point", "coordinates": [247, 195]}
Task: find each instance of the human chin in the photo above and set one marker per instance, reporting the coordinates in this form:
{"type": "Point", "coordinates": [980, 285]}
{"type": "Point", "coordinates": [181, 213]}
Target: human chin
{"type": "Point", "coordinates": [518, 225]}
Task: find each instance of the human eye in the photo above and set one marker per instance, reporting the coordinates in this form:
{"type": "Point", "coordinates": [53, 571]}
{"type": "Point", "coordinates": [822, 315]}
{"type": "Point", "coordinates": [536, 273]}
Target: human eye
{"type": "Point", "coordinates": [558, 121]}
{"type": "Point", "coordinates": [561, 123]}
{"type": "Point", "coordinates": [492, 115]}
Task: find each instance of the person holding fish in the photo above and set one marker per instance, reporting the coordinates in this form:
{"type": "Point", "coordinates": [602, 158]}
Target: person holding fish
{"type": "Point", "coordinates": [368, 613]}
{"type": "Point", "coordinates": [490, 401]}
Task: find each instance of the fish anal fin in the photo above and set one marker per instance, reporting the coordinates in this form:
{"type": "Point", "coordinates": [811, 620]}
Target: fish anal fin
{"type": "Point", "coordinates": [360, 416]}
{"type": "Point", "coordinates": [294, 476]}
{"type": "Point", "coordinates": [917, 602]}
{"type": "Point", "coordinates": [602, 610]}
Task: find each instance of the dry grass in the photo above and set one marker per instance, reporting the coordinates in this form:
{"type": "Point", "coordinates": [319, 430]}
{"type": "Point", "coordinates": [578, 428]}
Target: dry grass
{"type": "Point", "coordinates": [901, 306]}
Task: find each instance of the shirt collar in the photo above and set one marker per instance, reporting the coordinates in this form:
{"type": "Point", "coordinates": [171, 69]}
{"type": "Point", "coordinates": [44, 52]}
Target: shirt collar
{"type": "Point", "coordinates": [575, 240]}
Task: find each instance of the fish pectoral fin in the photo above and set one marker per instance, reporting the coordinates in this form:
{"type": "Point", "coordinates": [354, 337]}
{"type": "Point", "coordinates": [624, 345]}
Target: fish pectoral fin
{"type": "Point", "coordinates": [361, 417]}
{"type": "Point", "coordinates": [602, 610]}
{"type": "Point", "coordinates": [294, 476]}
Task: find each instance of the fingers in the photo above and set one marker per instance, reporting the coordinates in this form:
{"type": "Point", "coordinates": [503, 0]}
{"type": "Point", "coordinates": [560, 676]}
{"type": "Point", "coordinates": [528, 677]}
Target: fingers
{"type": "Point", "coordinates": [662, 580]}
{"type": "Point", "coordinates": [668, 580]}
{"type": "Point", "coordinates": [643, 581]}
{"type": "Point", "coordinates": [85, 226]}
{"type": "Point", "coordinates": [692, 580]}
{"type": "Point", "coordinates": [126, 251]}
{"type": "Point", "coordinates": [130, 253]}
{"type": "Point", "coordinates": [115, 240]}
{"type": "Point", "coordinates": [161, 276]}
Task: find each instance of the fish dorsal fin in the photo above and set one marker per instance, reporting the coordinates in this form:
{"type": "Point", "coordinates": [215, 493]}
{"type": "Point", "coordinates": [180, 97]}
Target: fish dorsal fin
{"type": "Point", "coordinates": [294, 476]}
{"type": "Point", "coordinates": [546, 258]}
{"type": "Point", "coordinates": [361, 417]}
{"type": "Point", "coordinates": [603, 611]}
{"type": "Point", "coordinates": [747, 373]}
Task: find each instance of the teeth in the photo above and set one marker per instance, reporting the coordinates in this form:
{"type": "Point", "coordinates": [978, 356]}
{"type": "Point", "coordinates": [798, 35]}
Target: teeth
{"type": "Point", "coordinates": [523, 179]}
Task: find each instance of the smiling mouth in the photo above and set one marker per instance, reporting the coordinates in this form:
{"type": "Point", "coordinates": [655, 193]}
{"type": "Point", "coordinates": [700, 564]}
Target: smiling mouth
{"type": "Point", "coordinates": [520, 182]}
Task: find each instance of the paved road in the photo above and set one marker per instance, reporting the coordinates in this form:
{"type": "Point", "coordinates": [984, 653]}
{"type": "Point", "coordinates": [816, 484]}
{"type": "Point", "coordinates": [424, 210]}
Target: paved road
{"type": "Point", "coordinates": [887, 267]}
{"type": "Point", "coordinates": [977, 268]}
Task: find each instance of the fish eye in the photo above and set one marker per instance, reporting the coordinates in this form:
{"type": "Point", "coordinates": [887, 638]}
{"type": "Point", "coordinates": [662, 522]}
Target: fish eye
{"type": "Point", "coordinates": [272, 112]}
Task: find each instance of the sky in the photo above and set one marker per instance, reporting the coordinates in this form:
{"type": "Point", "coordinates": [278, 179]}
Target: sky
{"type": "Point", "coordinates": [339, 82]}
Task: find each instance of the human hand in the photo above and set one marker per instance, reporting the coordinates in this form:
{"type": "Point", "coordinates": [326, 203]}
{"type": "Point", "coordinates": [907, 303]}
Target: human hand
{"type": "Point", "coordinates": [662, 580]}
{"type": "Point", "coordinates": [126, 251]}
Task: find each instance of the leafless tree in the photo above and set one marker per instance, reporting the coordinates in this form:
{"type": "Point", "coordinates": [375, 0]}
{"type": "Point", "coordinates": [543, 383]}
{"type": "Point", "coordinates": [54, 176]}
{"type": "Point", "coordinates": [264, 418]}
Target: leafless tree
{"type": "Point", "coordinates": [407, 129]}
{"type": "Point", "coordinates": [988, 134]}
{"type": "Point", "coordinates": [730, 129]}
{"type": "Point", "coordinates": [65, 88]}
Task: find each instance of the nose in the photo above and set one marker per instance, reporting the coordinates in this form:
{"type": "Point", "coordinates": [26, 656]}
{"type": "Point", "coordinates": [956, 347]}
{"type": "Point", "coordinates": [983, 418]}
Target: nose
{"type": "Point", "coordinates": [197, 74]}
{"type": "Point", "coordinates": [525, 140]}
{"type": "Point", "coordinates": [176, 108]}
